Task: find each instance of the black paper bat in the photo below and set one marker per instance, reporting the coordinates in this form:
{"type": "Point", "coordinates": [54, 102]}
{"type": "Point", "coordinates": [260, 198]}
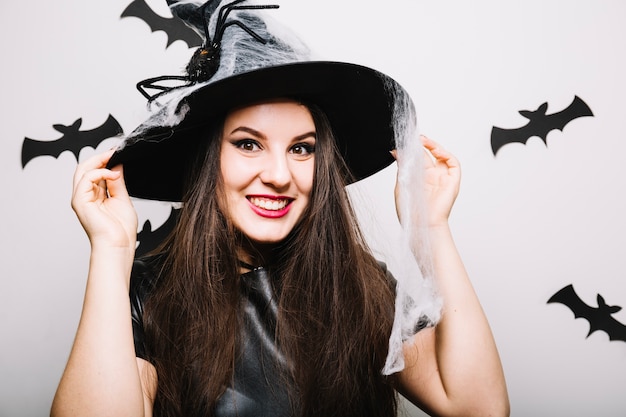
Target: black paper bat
{"type": "Point", "coordinates": [600, 318]}
{"type": "Point", "coordinates": [73, 140]}
{"type": "Point", "coordinates": [539, 124]}
{"type": "Point", "coordinates": [173, 27]}
{"type": "Point", "coordinates": [149, 239]}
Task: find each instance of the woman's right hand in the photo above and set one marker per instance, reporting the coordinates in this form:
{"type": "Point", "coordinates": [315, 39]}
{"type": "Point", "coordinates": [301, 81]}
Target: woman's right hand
{"type": "Point", "coordinates": [102, 203]}
{"type": "Point", "coordinates": [103, 375]}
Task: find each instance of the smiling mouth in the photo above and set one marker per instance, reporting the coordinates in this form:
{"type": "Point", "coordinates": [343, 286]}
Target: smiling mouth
{"type": "Point", "coordinates": [270, 204]}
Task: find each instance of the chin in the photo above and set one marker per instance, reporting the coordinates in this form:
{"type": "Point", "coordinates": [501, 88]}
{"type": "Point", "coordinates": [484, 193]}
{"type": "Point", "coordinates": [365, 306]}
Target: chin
{"type": "Point", "coordinates": [266, 240]}
{"type": "Point", "coordinates": [265, 233]}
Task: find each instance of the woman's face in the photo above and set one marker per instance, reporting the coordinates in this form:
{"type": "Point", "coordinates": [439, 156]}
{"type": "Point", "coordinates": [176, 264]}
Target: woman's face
{"type": "Point", "coordinates": [267, 162]}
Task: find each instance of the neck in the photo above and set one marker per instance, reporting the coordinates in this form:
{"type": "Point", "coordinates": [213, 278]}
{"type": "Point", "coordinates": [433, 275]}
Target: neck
{"type": "Point", "coordinates": [252, 255]}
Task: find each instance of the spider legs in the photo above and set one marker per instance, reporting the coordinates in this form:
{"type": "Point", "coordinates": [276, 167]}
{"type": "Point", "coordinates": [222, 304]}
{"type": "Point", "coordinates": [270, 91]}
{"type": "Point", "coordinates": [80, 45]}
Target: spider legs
{"type": "Point", "coordinates": [149, 83]}
{"type": "Point", "coordinates": [205, 61]}
{"type": "Point", "coordinates": [223, 15]}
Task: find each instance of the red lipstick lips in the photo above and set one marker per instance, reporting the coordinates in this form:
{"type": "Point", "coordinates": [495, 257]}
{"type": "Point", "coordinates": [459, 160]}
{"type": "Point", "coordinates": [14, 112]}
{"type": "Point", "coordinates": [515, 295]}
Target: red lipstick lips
{"type": "Point", "coordinates": [272, 207]}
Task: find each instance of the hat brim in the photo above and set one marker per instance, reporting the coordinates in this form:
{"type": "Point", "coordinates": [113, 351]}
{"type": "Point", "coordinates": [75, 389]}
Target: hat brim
{"type": "Point", "coordinates": [357, 100]}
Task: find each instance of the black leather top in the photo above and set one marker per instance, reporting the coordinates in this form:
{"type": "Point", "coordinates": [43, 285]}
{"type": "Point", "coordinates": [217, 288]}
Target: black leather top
{"type": "Point", "coordinates": [259, 387]}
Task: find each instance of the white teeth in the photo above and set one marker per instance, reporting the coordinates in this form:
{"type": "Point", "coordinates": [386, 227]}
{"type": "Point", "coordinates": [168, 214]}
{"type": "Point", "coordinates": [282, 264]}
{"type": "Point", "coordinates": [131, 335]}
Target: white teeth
{"type": "Point", "coordinates": [267, 204]}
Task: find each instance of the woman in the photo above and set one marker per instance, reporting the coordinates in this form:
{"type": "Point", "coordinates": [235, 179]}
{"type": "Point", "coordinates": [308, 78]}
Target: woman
{"type": "Point", "coordinates": [265, 299]}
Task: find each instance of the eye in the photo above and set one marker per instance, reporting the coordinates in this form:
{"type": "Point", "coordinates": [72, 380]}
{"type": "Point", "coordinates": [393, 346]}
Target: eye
{"type": "Point", "coordinates": [302, 149]}
{"type": "Point", "coordinates": [247, 145]}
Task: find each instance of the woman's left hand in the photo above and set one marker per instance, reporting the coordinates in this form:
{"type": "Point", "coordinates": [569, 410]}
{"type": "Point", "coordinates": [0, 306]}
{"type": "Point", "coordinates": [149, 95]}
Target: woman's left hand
{"type": "Point", "coordinates": [441, 180]}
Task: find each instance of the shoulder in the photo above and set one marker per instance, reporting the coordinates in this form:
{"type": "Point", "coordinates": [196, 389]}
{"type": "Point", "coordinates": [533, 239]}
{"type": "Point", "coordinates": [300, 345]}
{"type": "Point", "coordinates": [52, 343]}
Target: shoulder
{"type": "Point", "coordinates": [390, 278]}
{"type": "Point", "coordinates": [143, 278]}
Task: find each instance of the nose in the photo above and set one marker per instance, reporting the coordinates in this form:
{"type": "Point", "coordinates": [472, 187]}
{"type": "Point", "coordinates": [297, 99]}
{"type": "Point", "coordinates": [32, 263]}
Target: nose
{"type": "Point", "coordinates": [276, 172]}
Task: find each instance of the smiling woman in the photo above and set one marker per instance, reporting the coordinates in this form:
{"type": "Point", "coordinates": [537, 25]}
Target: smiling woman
{"type": "Point", "coordinates": [267, 163]}
{"type": "Point", "coordinates": [265, 300]}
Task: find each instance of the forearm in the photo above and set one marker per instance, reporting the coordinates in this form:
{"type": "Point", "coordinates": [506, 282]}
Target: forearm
{"type": "Point", "coordinates": [101, 376]}
{"type": "Point", "coordinates": [466, 354]}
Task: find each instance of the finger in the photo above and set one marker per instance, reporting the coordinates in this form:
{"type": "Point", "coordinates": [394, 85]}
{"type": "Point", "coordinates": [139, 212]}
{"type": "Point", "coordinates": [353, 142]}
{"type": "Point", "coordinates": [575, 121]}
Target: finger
{"type": "Point", "coordinates": [94, 183]}
{"type": "Point", "coordinates": [95, 162]}
{"type": "Point", "coordinates": [445, 158]}
{"type": "Point", "coordinates": [432, 146]}
{"type": "Point", "coordinates": [439, 153]}
{"type": "Point", "coordinates": [428, 145]}
{"type": "Point", "coordinates": [117, 187]}
{"type": "Point", "coordinates": [429, 158]}
{"type": "Point", "coordinates": [427, 142]}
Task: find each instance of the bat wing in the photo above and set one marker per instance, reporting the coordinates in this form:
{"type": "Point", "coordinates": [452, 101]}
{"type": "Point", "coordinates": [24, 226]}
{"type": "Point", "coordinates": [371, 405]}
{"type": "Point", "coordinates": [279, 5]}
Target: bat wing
{"type": "Point", "coordinates": [174, 28]}
{"type": "Point", "coordinates": [32, 148]}
{"type": "Point", "coordinates": [72, 140]}
{"type": "Point", "coordinates": [501, 137]}
{"type": "Point", "coordinates": [109, 129]}
{"type": "Point", "coordinates": [615, 329]}
{"type": "Point", "coordinates": [598, 318]}
{"type": "Point", "coordinates": [568, 297]}
{"type": "Point", "coordinates": [578, 108]}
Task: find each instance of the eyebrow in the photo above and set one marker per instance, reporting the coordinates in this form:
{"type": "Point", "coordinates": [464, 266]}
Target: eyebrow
{"type": "Point", "coordinates": [258, 134]}
{"type": "Point", "coordinates": [249, 130]}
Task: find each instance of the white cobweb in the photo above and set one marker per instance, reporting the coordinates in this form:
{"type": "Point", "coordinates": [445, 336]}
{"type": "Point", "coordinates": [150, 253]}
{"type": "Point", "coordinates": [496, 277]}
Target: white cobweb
{"type": "Point", "coordinates": [417, 302]}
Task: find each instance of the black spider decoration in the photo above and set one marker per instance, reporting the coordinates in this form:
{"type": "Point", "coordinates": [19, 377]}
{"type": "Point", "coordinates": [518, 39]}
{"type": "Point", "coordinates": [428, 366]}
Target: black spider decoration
{"type": "Point", "coordinates": [205, 61]}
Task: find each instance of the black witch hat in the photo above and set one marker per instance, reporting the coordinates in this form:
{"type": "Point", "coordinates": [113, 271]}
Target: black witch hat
{"type": "Point", "coordinates": [246, 58]}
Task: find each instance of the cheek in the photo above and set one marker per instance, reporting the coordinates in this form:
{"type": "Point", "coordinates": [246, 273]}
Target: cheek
{"type": "Point", "coordinates": [234, 172]}
{"type": "Point", "coordinates": [305, 178]}
{"type": "Point", "coordinates": [230, 189]}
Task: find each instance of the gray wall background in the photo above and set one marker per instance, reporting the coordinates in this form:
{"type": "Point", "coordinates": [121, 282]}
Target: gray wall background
{"type": "Point", "coordinates": [528, 222]}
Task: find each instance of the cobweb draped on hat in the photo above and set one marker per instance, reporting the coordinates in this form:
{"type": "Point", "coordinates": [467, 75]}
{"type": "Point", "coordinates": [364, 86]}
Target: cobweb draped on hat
{"type": "Point", "coordinates": [417, 302]}
{"type": "Point", "coordinates": [240, 53]}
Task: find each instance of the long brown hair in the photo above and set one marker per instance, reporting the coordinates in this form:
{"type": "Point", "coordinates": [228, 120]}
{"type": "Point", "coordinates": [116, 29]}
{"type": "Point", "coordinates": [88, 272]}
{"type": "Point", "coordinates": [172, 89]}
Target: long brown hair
{"type": "Point", "coordinates": [335, 302]}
